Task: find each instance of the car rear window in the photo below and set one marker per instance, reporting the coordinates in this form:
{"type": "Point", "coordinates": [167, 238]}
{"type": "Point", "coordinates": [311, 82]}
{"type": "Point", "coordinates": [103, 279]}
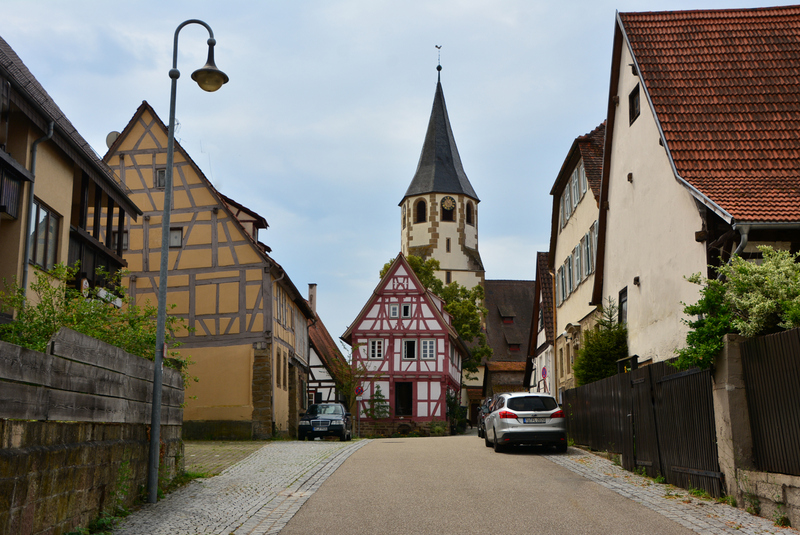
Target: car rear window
{"type": "Point", "coordinates": [532, 403]}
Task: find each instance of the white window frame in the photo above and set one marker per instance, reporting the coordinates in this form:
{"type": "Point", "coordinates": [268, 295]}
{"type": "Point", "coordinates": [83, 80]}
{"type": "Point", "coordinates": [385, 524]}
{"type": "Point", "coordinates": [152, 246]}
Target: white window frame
{"type": "Point", "coordinates": [578, 269]}
{"type": "Point", "coordinates": [176, 237]}
{"type": "Point", "coordinates": [582, 178]}
{"type": "Point", "coordinates": [376, 349]}
{"type": "Point", "coordinates": [160, 178]}
{"type": "Point", "coordinates": [394, 310]}
{"type": "Point", "coordinates": [576, 196]}
{"type": "Point", "coordinates": [405, 348]}
{"type": "Point", "coordinates": [428, 349]}
{"type": "Point", "coordinates": [568, 274]}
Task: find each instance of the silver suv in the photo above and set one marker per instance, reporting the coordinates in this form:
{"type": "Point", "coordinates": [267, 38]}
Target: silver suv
{"type": "Point", "coordinates": [526, 418]}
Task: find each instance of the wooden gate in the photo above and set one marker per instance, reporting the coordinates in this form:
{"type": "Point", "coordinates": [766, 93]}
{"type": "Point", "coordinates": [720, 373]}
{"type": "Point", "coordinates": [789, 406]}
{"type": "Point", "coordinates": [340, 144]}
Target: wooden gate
{"type": "Point", "coordinates": [661, 422]}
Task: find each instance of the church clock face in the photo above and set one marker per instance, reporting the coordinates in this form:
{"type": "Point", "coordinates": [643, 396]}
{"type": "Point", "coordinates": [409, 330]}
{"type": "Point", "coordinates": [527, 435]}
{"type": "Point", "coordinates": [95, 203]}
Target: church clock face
{"type": "Point", "coordinates": [448, 203]}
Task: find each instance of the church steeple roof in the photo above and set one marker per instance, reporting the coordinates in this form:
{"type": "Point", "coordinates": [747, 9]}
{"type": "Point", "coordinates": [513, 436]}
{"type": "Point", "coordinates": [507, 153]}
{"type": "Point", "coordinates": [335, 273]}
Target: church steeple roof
{"type": "Point", "coordinates": [439, 169]}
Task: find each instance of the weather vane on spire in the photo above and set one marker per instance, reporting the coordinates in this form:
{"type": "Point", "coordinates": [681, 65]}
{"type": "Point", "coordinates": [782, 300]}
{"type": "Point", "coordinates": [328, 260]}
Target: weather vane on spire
{"type": "Point", "coordinates": [439, 49]}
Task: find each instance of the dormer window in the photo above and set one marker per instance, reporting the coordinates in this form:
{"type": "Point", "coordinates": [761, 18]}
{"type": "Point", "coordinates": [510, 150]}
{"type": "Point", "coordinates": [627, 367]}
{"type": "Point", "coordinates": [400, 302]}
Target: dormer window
{"type": "Point", "coordinates": [419, 212]}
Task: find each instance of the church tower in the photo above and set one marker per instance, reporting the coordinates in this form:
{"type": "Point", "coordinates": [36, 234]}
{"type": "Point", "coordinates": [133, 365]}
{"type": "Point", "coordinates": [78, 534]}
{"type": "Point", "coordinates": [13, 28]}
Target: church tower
{"type": "Point", "coordinates": [440, 209]}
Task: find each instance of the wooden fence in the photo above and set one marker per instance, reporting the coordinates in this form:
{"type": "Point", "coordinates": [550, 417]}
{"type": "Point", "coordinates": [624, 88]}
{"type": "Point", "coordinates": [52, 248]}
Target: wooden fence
{"type": "Point", "coordinates": [660, 421]}
{"type": "Point", "coordinates": [772, 379]}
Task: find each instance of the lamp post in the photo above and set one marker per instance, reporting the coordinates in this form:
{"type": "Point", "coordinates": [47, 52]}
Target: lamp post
{"type": "Point", "coordinates": [209, 78]}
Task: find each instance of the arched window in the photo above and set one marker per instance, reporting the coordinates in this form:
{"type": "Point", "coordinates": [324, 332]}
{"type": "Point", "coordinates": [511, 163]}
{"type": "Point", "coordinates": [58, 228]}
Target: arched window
{"type": "Point", "coordinates": [419, 213]}
{"type": "Point", "coordinates": [404, 216]}
{"type": "Point", "coordinates": [448, 209]}
{"type": "Point", "coordinates": [470, 215]}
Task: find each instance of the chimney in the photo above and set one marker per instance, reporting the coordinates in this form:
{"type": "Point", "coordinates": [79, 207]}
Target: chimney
{"type": "Point", "coordinates": [312, 296]}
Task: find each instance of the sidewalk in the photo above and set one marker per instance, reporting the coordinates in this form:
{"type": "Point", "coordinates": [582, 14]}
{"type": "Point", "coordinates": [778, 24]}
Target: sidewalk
{"type": "Point", "coordinates": [258, 495]}
{"type": "Point", "coordinates": [701, 516]}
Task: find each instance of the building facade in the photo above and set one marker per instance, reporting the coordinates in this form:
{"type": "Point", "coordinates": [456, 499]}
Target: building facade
{"type": "Point", "coordinates": [53, 188]}
{"type": "Point", "coordinates": [246, 325]}
{"type": "Point", "coordinates": [573, 246]}
{"type": "Point", "coordinates": [405, 347]}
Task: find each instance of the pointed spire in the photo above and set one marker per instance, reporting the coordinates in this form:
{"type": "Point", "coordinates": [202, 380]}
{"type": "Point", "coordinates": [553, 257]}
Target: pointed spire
{"type": "Point", "coordinates": [439, 169]}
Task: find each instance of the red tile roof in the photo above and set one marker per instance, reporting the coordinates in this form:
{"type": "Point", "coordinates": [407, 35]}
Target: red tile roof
{"type": "Point", "coordinates": [725, 86]}
{"type": "Point", "coordinates": [591, 147]}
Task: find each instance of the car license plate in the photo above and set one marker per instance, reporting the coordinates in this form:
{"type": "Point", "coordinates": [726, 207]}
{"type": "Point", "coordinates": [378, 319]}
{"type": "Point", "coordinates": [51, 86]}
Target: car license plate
{"type": "Point", "coordinates": [534, 420]}
{"type": "Point", "coordinates": [320, 429]}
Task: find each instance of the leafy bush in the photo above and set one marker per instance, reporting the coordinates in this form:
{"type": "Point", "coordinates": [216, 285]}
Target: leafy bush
{"type": "Point", "coordinates": [749, 298]}
{"type": "Point", "coordinates": [602, 347]}
{"type": "Point", "coordinates": [52, 304]}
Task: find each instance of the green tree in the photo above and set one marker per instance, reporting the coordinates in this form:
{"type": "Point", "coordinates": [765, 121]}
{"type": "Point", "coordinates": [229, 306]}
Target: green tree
{"type": "Point", "coordinates": [53, 304]}
{"type": "Point", "coordinates": [348, 378]}
{"type": "Point", "coordinates": [601, 347]}
{"type": "Point", "coordinates": [465, 305]}
{"type": "Point", "coordinates": [748, 298]}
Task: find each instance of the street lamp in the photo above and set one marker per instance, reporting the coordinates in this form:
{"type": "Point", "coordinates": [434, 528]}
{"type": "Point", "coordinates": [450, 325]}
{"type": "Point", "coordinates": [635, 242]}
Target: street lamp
{"type": "Point", "coordinates": [209, 78]}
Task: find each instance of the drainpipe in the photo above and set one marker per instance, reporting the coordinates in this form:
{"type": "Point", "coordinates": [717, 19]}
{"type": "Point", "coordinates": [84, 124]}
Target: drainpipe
{"type": "Point", "coordinates": [744, 230]}
{"type": "Point", "coordinates": [29, 237]}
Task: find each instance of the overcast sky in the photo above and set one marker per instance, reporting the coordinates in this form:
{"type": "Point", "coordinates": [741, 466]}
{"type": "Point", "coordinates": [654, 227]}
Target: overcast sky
{"type": "Point", "coordinates": [321, 125]}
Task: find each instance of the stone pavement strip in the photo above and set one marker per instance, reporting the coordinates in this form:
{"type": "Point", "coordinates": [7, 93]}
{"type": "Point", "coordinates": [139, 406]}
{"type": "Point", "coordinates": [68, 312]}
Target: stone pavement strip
{"type": "Point", "coordinates": [258, 495]}
{"type": "Point", "coordinates": [702, 516]}
{"type": "Point", "coordinates": [211, 457]}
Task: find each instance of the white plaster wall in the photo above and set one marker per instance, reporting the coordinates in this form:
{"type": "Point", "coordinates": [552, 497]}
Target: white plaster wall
{"type": "Point", "coordinates": [576, 306]}
{"type": "Point", "coordinates": [650, 231]}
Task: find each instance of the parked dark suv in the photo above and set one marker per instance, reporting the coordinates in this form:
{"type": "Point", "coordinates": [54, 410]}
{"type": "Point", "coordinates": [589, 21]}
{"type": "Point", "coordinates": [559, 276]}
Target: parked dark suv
{"type": "Point", "coordinates": [482, 412]}
{"type": "Point", "coordinates": [325, 419]}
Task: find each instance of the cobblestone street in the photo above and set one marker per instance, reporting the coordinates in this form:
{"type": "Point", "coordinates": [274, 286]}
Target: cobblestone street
{"type": "Point", "coordinates": [255, 496]}
{"type": "Point", "coordinates": [701, 516]}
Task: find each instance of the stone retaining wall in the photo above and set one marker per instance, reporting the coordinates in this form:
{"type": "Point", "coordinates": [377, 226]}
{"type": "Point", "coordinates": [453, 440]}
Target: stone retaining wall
{"type": "Point", "coordinates": [74, 432]}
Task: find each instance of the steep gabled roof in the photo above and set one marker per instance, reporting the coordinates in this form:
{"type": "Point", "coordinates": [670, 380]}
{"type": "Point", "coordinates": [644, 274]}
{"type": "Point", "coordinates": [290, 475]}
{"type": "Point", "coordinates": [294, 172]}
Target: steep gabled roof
{"type": "Point", "coordinates": [725, 86]}
{"type": "Point", "coordinates": [439, 169]}
{"type": "Point", "coordinates": [508, 299]}
{"type": "Point", "coordinates": [588, 147]}
{"type": "Point", "coordinates": [543, 292]}
{"type": "Point", "coordinates": [32, 98]}
{"type": "Point", "coordinates": [433, 300]}
{"type": "Point", "coordinates": [323, 343]}
{"type": "Point", "coordinates": [285, 281]}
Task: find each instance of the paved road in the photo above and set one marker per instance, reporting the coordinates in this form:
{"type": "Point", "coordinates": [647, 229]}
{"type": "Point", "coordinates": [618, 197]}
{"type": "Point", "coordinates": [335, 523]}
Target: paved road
{"type": "Point", "coordinates": [426, 485]}
{"type": "Point", "coordinates": [456, 485]}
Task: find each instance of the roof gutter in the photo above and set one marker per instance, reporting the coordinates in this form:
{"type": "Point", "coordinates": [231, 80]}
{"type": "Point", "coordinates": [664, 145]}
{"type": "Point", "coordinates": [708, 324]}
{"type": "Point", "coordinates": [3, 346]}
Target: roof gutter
{"type": "Point", "coordinates": [714, 207]}
{"type": "Point", "coordinates": [29, 236]}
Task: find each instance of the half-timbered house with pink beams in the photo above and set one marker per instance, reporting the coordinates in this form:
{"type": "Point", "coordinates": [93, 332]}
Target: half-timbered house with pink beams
{"type": "Point", "coordinates": [405, 341]}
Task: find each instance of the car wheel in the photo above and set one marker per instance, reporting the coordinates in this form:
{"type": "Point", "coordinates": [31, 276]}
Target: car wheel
{"type": "Point", "coordinates": [497, 447]}
{"type": "Point", "coordinates": [486, 440]}
{"type": "Point", "coordinates": [561, 448]}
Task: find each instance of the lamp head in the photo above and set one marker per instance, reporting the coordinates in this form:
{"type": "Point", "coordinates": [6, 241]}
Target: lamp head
{"type": "Point", "coordinates": [209, 77]}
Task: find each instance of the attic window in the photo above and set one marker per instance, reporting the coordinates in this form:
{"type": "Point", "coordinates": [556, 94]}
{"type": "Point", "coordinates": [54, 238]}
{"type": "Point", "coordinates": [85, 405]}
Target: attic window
{"type": "Point", "coordinates": [508, 319]}
{"type": "Point", "coordinates": [633, 104]}
{"type": "Point", "coordinates": [513, 347]}
{"type": "Point", "coordinates": [160, 180]}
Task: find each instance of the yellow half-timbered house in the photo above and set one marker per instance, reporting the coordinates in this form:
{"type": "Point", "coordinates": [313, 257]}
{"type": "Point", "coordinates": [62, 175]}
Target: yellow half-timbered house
{"type": "Point", "coordinates": [247, 324]}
